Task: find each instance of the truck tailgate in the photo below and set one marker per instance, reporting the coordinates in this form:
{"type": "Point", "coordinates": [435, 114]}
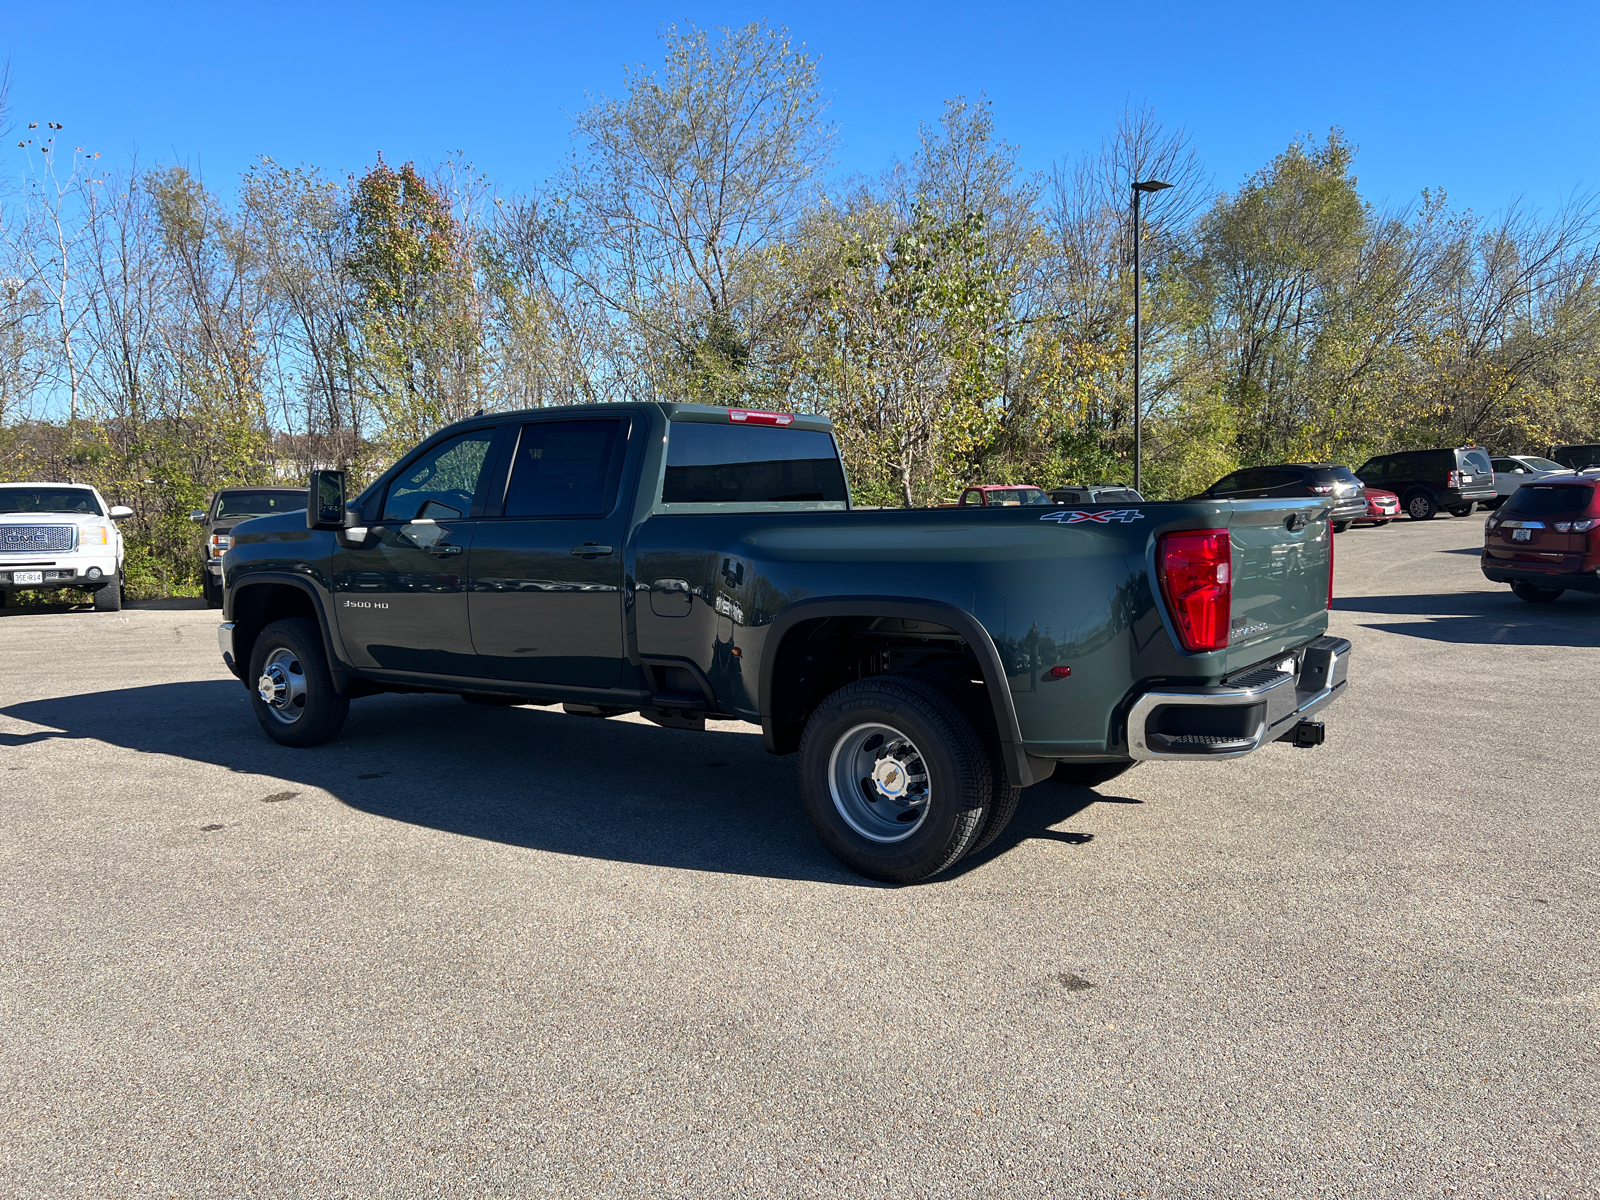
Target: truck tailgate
{"type": "Point", "coordinates": [1282, 554]}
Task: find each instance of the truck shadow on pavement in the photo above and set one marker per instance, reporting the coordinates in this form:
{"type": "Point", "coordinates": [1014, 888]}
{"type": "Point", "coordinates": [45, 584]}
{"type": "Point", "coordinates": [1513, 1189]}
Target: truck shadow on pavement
{"type": "Point", "coordinates": [1487, 618]}
{"type": "Point", "coordinates": [523, 776]}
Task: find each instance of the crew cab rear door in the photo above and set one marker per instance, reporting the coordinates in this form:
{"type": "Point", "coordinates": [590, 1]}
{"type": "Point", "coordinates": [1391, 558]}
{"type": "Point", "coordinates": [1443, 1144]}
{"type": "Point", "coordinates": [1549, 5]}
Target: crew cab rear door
{"type": "Point", "coordinates": [546, 566]}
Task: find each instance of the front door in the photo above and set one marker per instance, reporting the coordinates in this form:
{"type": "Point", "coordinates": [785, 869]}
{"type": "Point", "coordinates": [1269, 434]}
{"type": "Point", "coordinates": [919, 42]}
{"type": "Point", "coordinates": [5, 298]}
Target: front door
{"type": "Point", "coordinates": [401, 596]}
{"type": "Point", "coordinates": [547, 574]}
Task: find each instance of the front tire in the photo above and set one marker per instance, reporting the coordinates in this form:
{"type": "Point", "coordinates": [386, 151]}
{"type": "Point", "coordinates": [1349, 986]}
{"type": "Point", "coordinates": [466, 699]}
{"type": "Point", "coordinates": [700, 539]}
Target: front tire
{"type": "Point", "coordinates": [292, 688]}
{"type": "Point", "coordinates": [1380, 524]}
{"type": "Point", "coordinates": [108, 596]}
{"type": "Point", "coordinates": [1340, 526]}
{"type": "Point", "coordinates": [1421, 507]}
{"type": "Point", "coordinates": [1536, 595]}
{"type": "Point", "coordinates": [1461, 512]}
{"type": "Point", "coordinates": [894, 778]}
{"type": "Point", "coordinates": [211, 590]}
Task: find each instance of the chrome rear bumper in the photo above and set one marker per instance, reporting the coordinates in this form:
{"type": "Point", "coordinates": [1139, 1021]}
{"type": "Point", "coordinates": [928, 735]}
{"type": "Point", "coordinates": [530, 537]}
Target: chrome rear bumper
{"type": "Point", "coordinates": [1233, 720]}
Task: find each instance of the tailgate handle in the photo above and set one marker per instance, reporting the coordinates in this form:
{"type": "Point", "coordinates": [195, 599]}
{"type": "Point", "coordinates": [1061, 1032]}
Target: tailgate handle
{"type": "Point", "coordinates": [1296, 522]}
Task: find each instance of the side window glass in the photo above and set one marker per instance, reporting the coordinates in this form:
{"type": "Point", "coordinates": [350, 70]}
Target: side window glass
{"type": "Point", "coordinates": [1228, 483]}
{"type": "Point", "coordinates": [443, 481]}
{"type": "Point", "coordinates": [565, 469]}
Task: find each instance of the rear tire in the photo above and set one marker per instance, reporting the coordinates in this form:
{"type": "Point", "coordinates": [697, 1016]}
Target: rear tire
{"type": "Point", "coordinates": [894, 778]}
{"type": "Point", "coordinates": [108, 596]}
{"type": "Point", "coordinates": [303, 709]}
{"type": "Point", "coordinates": [1090, 774]}
{"type": "Point", "coordinates": [1461, 512]}
{"type": "Point", "coordinates": [1536, 595]}
{"type": "Point", "coordinates": [1421, 507]}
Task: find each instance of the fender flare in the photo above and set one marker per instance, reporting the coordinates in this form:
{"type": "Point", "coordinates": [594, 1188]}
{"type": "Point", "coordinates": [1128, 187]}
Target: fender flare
{"type": "Point", "coordinates": [331, 646]}
{"type": "Point", "coordinates": [1019, 770]}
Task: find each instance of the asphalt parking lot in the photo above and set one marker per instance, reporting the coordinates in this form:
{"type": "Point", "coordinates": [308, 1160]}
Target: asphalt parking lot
{"type": "Point", "coordinates": [509, 952]}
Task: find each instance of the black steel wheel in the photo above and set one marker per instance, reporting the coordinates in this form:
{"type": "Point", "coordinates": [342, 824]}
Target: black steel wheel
{"type": "Point", "coordinates": [292, 688]}
{"type": "Point", "coordinates": [894, 778]}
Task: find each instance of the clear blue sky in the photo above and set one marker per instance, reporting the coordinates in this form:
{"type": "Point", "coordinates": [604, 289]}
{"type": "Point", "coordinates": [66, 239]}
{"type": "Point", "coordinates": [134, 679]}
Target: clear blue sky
{"type": "Point", "coordinates": [1490, 102]}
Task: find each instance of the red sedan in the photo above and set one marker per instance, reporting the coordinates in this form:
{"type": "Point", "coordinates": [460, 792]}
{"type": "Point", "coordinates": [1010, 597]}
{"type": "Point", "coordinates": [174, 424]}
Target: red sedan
{"type": "Point", "coordinates": [1382, 507]}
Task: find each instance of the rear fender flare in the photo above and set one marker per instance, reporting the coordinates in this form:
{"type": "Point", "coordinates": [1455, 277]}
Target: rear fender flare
{"type": "Point", "coordinates": [1018, 768]}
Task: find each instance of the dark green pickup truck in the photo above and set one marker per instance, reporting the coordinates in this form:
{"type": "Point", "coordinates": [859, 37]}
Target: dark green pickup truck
{"type": "Point", "coordinates": [686, 562]}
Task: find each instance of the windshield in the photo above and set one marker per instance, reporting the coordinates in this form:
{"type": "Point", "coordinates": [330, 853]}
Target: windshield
{"type": "Point", "coordinates": [1549, 499]}
{"type": "Point", "coordinates": [259, 504]}
{"type": "Point", "coordinates": [1017, 496]}
{"type": "Point", "coordinates": [1540, 464]}
{"type": "Point", "coordinates": [49, 500]}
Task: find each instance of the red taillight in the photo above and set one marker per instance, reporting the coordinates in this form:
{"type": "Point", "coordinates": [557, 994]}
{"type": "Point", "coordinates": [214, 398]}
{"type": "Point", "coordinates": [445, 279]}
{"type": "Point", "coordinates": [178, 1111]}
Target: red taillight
{"type": "Point", "coordinates": [750, 416]}
{"type": "Point", "coordinates": [1453, 479]}
{"type": "Point", "coordinates": [1330, 564]}
{"type": "Point", "coordinates": [1196, 570]}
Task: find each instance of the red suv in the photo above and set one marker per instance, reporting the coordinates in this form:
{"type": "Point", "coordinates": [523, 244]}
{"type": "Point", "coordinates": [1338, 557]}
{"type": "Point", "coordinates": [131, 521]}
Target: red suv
{"type": "Point", "coordinates": [1545, 539]}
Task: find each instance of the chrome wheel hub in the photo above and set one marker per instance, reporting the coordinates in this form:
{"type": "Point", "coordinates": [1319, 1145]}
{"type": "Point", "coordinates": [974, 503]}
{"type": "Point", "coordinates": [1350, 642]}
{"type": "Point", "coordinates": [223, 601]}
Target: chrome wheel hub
{"type": "Point", "coordinates": [879, 782]}
{"type": "Point", "coordinates": [282, 685]}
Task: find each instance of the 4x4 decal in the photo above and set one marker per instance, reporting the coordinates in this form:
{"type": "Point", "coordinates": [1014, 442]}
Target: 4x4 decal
{"type": "Point", "coordinates": [1071, 516]}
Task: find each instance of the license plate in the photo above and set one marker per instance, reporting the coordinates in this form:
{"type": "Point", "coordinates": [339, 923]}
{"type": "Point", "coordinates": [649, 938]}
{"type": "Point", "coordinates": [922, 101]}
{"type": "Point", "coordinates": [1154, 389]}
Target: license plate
{"type": "Point", "coordinates": [1521, 535]}
{"type": "Point", "coordinates": [27, 577]}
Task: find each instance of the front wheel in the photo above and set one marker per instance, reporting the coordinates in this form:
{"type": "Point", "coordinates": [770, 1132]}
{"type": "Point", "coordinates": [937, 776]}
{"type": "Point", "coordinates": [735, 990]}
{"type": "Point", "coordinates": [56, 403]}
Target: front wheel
{"type": "Point", "coordinates": [108, 596]}
{"type": "Point", "coordinates": [1421, 507]}
{"type": "Point", "coordinates": [1536, 595]}
{"type": "Point", "coordinates": [1340, 526]}
{"type": "Point", "coordinates": [293, 692]}
{"type": "Point", "coordinates": [894, 778]}
{"type": "Point", "coordinates": [211, 590]}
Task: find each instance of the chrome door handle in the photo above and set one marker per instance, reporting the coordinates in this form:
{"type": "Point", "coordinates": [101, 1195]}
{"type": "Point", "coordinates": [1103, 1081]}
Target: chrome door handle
{"type": "Point", "coordinates": [591, 550]}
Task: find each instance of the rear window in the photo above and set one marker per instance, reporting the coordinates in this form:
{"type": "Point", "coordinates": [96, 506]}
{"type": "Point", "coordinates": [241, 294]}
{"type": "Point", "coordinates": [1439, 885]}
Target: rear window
{"type": "Point", "coordinates": [1475, 462]}
{"type": "Point", "coordinates": [1549, 499]}
{"type": "Point", "coordinates": [1011, 497]}
{"type": "Point", "coordinates": [1338, 475]}
{"type": "Point", "coordinates": [743, 464]}
{"type": "Point", "coordinates": [259, 504]}
{"type": "Point", "coordinates": [50, 500]}
{"type": "Point", "coordinates": [1118, 496]}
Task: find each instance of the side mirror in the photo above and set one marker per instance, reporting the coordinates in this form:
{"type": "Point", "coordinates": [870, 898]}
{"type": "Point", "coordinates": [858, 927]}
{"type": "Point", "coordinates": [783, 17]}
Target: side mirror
{"type": "Point", "coordinates": [326, 508]}
{"type": "Point", "coordinates": [118, 511]}
{"type": "Point", "coordinates": [198, 516]}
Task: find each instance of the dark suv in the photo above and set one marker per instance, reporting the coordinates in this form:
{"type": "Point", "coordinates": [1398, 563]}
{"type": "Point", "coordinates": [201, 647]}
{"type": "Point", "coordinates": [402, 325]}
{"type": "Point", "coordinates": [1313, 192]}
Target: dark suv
{"type": "Point", "coordinates": [227, 508]}
{"type": "Point", "coordinates": [1429, 480]}
{"type": "Point", "coordinates": [1578, 456]}
{"type": "Point", "coordinates": [1545, 539]}
{"type": "Point", "coordinates": [1334, 481]}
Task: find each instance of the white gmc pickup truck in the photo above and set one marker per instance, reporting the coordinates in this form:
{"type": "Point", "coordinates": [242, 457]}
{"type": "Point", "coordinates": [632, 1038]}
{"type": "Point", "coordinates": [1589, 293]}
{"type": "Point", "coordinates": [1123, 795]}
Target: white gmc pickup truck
{"type": "Point", "coordinates": [57, 535]}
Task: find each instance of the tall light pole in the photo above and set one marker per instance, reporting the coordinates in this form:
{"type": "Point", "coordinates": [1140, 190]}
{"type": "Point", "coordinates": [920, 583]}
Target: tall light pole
{"type": "Point", "coordinates": [1149, 185]}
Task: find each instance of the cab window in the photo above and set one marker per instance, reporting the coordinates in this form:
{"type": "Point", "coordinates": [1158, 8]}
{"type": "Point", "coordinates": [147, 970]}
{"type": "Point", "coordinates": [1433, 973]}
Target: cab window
{"type": "Point", "coordinates": [566, 469]}
{"type": "Point", "coordinates": [441, 483]}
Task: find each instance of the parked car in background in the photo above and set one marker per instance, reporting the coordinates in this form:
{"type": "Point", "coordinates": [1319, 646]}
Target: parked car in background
{"type": "Point", "coordinates": [1452, 479]}
{"type": "Point", "coordinates": [1545, 539]}
{"type": "Point", "coordinates": [1511, 471]}
{"type": "Point", "coordinates": [1333, 482]}
{"type": "Point", "coordinates": [1382, 507]}
{"type": "Point", "coordinates": [228, 507]}
{"type": "Point", "coordinates": [1095, 493]}
{"type": "Point", "coordinates": [1576, 456]}
{"type": "Point", "coordinates": [60, 535]}
{"type": "Point", "coordinates": [1006, 495]}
